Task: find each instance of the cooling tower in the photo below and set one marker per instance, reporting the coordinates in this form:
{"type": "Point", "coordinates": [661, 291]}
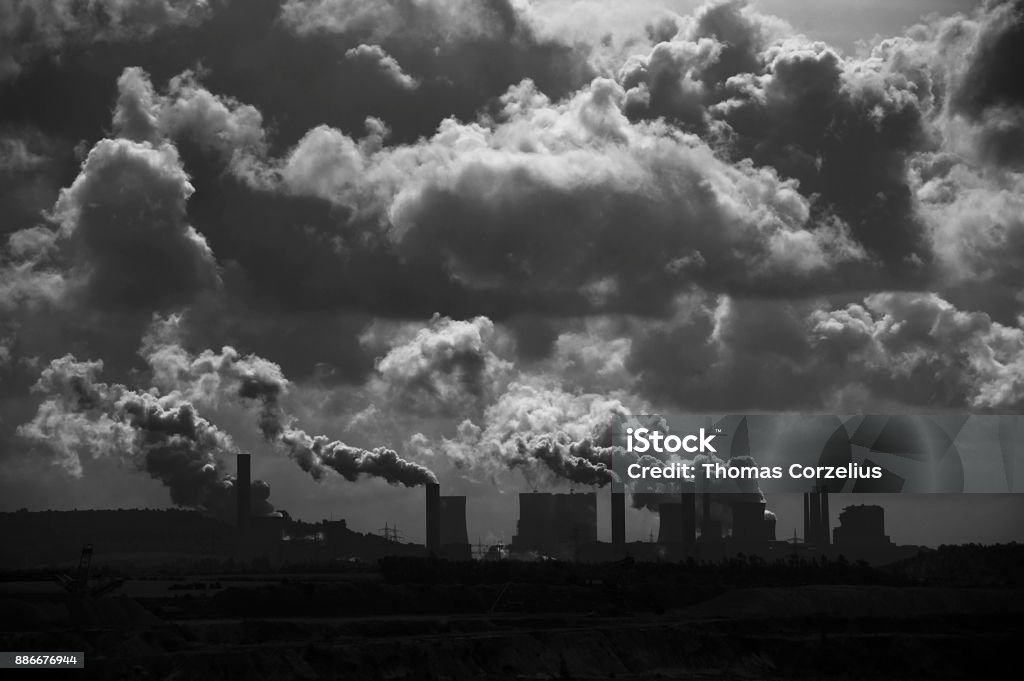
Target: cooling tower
{"type": "Point", "coordinates": [670, 524]}
{"type": "Point", "coordinates": [556, 524]}
{"type": "Point", "coordinates": [807, 517]}
{"type": "Point", "coordinates": [452, 516]}
{"type": "Point", "coordinates": [243, 489]}
{"type": "Point", "coordinates": [433, 517]}
{"type": "Point", "coordinates": [748, 522]}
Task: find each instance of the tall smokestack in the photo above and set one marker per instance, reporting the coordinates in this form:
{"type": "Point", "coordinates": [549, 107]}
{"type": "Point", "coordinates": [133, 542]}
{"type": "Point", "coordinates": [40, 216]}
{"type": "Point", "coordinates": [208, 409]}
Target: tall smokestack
{"type": "Point", "coordinates": [433, 517]}
{"type": "Point", "coordinates": [825, 522]}
{"type": "Point", "coordinates": [618, 515]}
{"type": "Point", "coordinates": [807, 518]}
{"type": "Point", "coordinates": [815, 513]}
{"type": "Point", "coordinates": [243, 489]}
{"type": "Point", "coordinates": [705, 521]}
{"type": "Point", "coordinates": [689, 518]}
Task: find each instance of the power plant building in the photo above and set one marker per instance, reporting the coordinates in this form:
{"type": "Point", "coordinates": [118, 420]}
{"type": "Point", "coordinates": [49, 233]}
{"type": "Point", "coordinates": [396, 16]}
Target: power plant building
{"type": "Point", "coordinates": [677, 521]}
{"type": "Point", "coordinates": [556, 524]}
{"type": "Point", "coordinates": [750, 525]}
{"type": "Point", "coordinates": [670, 523]}
{"type": "Point", "coordinates": [446, 525]}
{"type": "Point", "coordinates": [861, 527]}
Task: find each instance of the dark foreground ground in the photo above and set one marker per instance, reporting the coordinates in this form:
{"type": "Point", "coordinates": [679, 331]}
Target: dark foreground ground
{"type": "Point", "coordinates": [427, 620]}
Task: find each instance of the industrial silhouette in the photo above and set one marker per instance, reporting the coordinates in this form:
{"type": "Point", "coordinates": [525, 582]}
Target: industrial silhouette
{"type": "Point", "coordinates": [551, 526]}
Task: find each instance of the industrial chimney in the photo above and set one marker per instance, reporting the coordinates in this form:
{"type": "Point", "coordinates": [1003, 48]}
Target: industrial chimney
{"type": "Point", "coordinates": [707, 529]}
{"type": "Point", "coordinates": [824, 529]}
{"type": "Point", "coordinates": [243, 488]}
{"type": "Point", "coordinates": [689, 510]}
{"type": "Point", "coordinates": [816, 517]}
{"type": "Point", "coordinates": [814, 536]}
{"type": "Point", "coordinates": [807, 518]}
{"type": "Point", "coordinates": [433, 517]}
{"type": "Point", "coordinates": [618, 514]}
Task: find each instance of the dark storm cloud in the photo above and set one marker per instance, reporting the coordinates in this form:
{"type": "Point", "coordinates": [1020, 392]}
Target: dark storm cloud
{"type": "Point", "coordinates": [450, 39]}
{"type": "Point", "coordinates": [719, 351]}
{"type": "Point", "coordinates": [990, 91]}
{"type": "Point", "coordinates": [121, 222]}
{"type": "Point", "coordinates": [124, 221]}
{"type": "Point", "coordinates": [598, 170]}
{"type": "Point", "coordinates": [848, 129]}
{"type": "Point", "coordinates": [535, 202]}
{"type": "Point", "coordinates": [845, 132]}
{"type": "Point", "coordinates": [743, 227]}
{"type": "Point", "coordinates": [692, 59]}
{"type": "Point", "coordinates": [30, 30]}
{"type": "Point", "coordinates": [922, 350]}
{"type": "Point", "coordinates": [890, 350]}
{"type": "Point", "coordinates": [30, 175]}
{"type": "Point", "coordinates": [843, 128]}
{"type": "Point", "coordinates": [188, 113]}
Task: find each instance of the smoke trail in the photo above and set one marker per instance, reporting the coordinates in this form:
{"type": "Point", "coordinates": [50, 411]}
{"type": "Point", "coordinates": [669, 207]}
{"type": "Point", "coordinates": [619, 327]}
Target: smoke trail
{"type": "Point", "coordinates": [248, 379]}
{"type": "Point", "coordinates": [267, 392]}
{"type": "Point", "coordinates": [163, 436]}
{"type": "Point", "coordinates": [542, 430]}
{"type": "Point", "coordinates": [316, 455]}
{"type": "Point", "coordinates": [581, 462]}
{"type": "Point", "coordinates": [208, 375]}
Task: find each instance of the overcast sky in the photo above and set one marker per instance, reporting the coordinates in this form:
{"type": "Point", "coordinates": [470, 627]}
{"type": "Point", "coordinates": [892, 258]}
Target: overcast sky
{"type": "Point", "coordinates": [378, 243]}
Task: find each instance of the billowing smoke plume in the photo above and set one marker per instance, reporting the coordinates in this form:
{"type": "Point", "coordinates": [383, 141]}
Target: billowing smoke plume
{"type": "Point", "coordinates": [209, 376]}
{"type": "Point", "coordinates": [581, 461]}
{"type": "Point", "coordinates": [542, 431]}
{"type": "Point", "coordinates": [163, 436]}
{"type": "Point", "coordinates": [317, 454]}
